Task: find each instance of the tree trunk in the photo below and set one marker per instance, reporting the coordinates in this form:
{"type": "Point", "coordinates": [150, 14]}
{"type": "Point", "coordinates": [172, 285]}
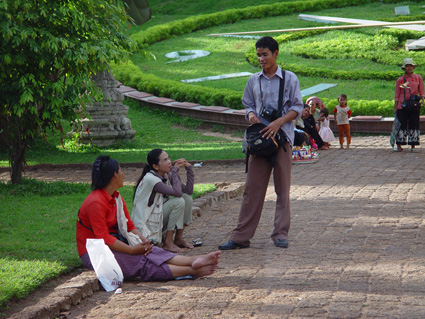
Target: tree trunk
{"type": "Point", "coordinates": [16, 164]}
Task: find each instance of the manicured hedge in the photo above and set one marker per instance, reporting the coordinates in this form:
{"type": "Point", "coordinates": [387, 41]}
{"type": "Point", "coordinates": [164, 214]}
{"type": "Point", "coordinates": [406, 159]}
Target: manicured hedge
{"type": "Point", "coordinates": [363, 107]}
{"type": "Point", "coordinates": [134, 77]}
{"type": "Point", "coordinates": [177, 28]}
{"type": "Point", "coordinates": [370, 51]}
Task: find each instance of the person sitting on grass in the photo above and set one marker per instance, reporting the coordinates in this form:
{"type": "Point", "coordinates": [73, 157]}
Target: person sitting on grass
{"type": "Point", "coordinates": [97, 218]}
{"type": "Point", "coordinates": [154, 211]}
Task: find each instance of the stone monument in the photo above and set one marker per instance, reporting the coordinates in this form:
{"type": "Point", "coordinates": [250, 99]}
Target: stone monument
{"type": "Point", "coordinates": [108, 121]}
{"type": "Point", "coordinates": [139, 10]}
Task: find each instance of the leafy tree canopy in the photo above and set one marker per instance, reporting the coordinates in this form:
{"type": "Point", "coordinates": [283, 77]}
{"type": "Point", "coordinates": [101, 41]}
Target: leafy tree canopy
{"type": "Point", "coordinates": [48, 52]}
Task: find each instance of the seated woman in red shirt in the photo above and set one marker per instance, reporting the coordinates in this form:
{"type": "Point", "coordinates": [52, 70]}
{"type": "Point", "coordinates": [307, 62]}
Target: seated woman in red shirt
{"type": "Point", "coordinates": [97, 218]}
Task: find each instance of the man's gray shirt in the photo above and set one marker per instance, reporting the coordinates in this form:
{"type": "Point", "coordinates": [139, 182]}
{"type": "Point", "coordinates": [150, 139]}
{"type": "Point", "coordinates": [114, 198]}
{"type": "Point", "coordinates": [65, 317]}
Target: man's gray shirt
{"type": "Point", "coordinates": [254, 99]}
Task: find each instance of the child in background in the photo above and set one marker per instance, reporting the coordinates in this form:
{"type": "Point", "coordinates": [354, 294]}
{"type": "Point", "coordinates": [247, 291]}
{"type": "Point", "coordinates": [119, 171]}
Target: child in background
{"type": "Point", "coordinates": [316, 105]}
{"type": "Point", "coordinates": [325, 132]}
{"type": "Point", "coordinates": [342, 114]}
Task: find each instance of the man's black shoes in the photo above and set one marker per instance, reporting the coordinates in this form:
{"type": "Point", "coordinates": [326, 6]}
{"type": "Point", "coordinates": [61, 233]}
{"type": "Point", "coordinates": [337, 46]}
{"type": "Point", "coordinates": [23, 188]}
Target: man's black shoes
{"type": "Point", "coordinates": [282, 243]}
{"type": "Point", "coordinates": [232, 245]}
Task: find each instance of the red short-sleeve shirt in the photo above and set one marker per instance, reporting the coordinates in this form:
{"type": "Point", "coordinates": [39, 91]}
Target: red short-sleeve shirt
{"type": "Point", "coordinates": [98, 214]}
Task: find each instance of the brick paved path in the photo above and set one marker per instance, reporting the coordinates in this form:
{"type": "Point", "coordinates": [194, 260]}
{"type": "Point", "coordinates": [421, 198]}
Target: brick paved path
{"type": "Point", "coordinates": [357, 248]}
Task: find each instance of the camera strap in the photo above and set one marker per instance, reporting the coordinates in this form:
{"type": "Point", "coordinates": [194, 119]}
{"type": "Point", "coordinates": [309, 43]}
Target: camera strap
{"type": "Point", "coordinates": [281, 93]}
{"type": "Point", "coordinates": [404, 91]}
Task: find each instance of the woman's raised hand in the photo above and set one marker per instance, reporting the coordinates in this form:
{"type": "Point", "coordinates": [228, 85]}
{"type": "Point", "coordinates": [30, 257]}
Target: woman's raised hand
{"type": "Point", "coordinates": [181, 163]}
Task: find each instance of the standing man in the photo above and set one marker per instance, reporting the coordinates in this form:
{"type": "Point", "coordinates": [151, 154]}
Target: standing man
{"type": "Point", "coordinates": [262, 90]}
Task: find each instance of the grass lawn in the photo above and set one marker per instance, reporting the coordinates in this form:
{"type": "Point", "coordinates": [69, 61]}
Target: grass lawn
{"type": "Point", "coordinates": [37, 241]}
{"type": "Point", "coordinates": [177, 135]}
{"type": "Point", "coordinates": [166, 11]}
{"type": "Point", "coordinates": [228, 54]}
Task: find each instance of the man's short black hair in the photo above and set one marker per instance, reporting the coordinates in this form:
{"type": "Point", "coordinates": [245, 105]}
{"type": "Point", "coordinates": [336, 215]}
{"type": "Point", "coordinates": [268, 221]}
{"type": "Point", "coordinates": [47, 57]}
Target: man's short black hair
{"type": "Point", "coordinates": [267, 43]}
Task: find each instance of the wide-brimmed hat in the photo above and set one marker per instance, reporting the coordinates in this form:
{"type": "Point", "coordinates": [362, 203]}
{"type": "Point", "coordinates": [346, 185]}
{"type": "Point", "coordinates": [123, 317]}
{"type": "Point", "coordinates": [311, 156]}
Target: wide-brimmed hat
{"type": "Point", "coordinates": [316, 100]}
{"type": "Point", "coordinates": [407, 61]}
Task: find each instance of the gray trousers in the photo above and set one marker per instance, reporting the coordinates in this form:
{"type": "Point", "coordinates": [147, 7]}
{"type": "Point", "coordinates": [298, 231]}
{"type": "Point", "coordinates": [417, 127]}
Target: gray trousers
{"type": "Point", "coordinates": [257, 180]}
{"type": "Point", "coordinates": [177, 212]}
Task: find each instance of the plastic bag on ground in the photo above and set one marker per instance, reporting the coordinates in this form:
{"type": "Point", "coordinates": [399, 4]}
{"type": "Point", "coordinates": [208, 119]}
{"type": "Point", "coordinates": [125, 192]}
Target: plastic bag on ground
{"type": "Point", "coordinates": [104, 263]}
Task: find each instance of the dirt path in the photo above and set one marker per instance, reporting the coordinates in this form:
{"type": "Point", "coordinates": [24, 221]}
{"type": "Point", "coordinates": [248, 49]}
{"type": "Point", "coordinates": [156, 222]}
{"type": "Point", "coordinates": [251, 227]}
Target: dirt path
{"type": "Point", "coordinates": [356, 250]}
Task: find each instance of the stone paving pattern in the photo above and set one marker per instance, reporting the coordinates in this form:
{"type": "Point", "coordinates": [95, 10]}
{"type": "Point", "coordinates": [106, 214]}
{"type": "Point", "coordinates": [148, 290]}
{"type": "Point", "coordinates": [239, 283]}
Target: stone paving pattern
{"type": "Point", "coordinates": [356, 247]}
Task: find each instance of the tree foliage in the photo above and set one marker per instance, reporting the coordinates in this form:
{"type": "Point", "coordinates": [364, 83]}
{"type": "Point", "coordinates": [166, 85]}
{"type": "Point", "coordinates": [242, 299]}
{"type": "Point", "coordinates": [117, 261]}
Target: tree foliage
{"type": "Point", "coordinates": [48, 52]}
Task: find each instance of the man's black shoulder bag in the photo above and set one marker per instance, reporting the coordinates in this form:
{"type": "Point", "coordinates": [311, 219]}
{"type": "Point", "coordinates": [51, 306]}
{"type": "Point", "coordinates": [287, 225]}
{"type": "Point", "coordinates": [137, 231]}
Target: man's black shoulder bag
{"type": "Point", "coordinates": [256, 144]}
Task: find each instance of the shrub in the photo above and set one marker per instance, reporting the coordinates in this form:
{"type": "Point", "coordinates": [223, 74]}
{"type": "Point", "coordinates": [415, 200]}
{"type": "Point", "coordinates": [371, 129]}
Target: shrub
{"type": "Point", "coordinates": [387, 41]}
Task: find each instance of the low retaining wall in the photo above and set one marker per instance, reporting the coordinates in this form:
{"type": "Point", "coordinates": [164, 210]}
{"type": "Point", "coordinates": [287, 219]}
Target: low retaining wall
{"type": "Point", "coordinates": [236, 118]}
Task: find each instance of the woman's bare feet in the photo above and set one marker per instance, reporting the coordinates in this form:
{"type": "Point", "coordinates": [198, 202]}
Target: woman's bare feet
{"type": "Point", "coordinates": [205, 270]}
{"type": "Point", "coordinates": [172, 247]}
{"type": "Point", "coordinates": [183, 244]}
{"type": "Point", "coordinates": [206, 260]}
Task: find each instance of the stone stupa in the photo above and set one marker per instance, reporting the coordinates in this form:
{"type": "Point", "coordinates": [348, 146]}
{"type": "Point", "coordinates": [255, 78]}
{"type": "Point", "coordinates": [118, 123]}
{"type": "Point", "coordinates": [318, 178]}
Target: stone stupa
{"type": "Point", "coordinates": [107, 123]}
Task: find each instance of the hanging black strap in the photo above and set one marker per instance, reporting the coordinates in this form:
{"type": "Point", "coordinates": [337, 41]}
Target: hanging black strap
{"type": "Point", "coordinates": [117, 235]}
{"type": "Point", "coordinates": [279, 111]}
{"type": "Point", "coordinates": [281, 93]}
{"type": "Point", "coordinates": [246, 160]}
{"type": "Point", "coordinates": [81, 223]}
{"type": "Point", "coordinates": [404, 91]}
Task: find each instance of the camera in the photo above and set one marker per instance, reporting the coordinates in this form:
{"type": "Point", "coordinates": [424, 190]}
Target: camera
{"type": "Point", "coordinates": [269, 113]}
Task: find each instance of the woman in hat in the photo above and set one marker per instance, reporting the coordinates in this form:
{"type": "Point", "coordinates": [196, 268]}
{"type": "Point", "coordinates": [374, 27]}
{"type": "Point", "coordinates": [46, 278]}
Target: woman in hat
{"type": "Point", "coordinates": [316, 105]}
{"type": "Point", "coordinates": [97, 218]}
{"type": "Point", "coordinates": [408, 85]}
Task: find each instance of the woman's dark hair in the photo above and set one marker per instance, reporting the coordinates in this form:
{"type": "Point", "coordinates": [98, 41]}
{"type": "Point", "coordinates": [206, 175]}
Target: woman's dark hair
{"type": "Point", "coordinates": [325, 112]}
{"type": "Point", "coordinates": [103, 169]}
{"type": "Point", "coordinates": [152, 159]}
{"type": "Point", "coordinates": [267, 43]}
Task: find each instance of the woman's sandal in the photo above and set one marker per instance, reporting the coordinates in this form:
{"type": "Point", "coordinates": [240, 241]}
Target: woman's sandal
{"type": "Point", "coordinates": [197, 242]}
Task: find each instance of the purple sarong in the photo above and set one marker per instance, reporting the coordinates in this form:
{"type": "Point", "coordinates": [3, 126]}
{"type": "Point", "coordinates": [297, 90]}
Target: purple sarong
{"type": "Point", "coordinates": [152, 267]}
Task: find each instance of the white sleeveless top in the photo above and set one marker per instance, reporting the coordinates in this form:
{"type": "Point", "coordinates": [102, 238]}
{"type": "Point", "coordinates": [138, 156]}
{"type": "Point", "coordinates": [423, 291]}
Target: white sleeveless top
{"type": "Point", "coordinates": [148, 219]}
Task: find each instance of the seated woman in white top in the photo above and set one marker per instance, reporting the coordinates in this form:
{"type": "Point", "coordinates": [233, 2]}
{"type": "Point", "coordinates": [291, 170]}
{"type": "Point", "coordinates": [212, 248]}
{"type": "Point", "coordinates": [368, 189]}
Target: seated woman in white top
{"type": "Point", "coordinates": [154, 211]}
